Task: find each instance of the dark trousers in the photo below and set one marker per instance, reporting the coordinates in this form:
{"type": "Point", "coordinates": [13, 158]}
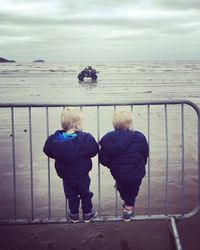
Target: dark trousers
{"type": "Point", "coordinates": [129, 191]}
{"type": "Point", "coordinates": [76, 190]}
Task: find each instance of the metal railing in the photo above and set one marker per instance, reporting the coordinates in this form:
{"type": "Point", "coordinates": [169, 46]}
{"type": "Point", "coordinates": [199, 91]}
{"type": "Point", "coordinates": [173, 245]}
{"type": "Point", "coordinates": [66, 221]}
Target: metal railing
{"type": "Point", "coordinates": [12, 107]}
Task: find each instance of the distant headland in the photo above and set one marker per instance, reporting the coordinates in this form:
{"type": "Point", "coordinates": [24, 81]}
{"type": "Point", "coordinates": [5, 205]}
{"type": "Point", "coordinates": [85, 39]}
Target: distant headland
{"type": "Point", "coordinates": [3, 60]}
{"type": "Point", "coordinates": [38, 61]}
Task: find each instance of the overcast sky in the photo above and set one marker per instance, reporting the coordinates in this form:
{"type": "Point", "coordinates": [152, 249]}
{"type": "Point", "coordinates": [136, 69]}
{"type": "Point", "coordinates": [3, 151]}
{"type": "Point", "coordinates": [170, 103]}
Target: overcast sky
{"type": "Point", "coordinates": [96, 30]}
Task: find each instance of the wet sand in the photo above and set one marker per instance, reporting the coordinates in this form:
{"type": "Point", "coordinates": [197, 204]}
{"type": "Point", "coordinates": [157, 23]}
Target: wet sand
{"type": "Point", "coordinates": [123, 83]}
{"type": "Point", "coordinates": [137, 235]}
{"type": "Point", "coordinates": [109, 236]}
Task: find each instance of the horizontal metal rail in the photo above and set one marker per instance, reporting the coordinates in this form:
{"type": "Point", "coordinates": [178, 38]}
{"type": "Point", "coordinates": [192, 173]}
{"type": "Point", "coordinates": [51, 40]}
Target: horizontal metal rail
{"type": "Point", "coordinates": [137, 103]}
{"type": "Point", "coordinates": [98, 219]}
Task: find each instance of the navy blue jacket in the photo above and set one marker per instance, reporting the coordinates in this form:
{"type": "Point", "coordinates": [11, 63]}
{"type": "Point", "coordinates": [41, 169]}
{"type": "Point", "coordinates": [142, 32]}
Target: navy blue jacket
{"type": "Point", "coordinates": [125, 153]}
{"type": "Point", "coordinates": [72, 157]}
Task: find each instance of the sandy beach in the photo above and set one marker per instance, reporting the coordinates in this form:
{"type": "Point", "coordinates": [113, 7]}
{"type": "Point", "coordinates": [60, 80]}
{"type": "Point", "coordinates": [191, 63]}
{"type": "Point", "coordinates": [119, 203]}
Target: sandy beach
{"type": "Point", "coordinates": [135, 81]}
{"type": "Point", "coordinates": [95, 236]}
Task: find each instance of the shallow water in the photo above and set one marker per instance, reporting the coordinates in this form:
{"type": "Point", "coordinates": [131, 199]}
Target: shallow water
{"type": "Point", "coordinates": [128, 81]}
{"type": "Point", "coordinates": [122, 82]}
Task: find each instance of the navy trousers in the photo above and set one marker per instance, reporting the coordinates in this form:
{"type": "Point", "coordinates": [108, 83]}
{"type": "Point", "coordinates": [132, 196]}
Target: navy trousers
{"type": "Point", "coordinates": [129, 191]}
{"type": "Point", "coordinates": [76, 190]}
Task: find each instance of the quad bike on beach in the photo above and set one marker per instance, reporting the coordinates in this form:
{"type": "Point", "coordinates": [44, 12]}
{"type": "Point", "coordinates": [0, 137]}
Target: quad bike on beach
{"type": "Point", "coordinates": [88, 72]}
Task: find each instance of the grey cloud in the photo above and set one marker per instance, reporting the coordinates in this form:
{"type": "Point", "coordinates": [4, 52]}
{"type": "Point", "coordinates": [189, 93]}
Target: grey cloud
{"type": "Point", "coordinates": [122, 21]}
{"type": "Point", "coordinates": [90, 4]}
{"type": "Point", "coordinates": [177, 4]}
{"type": "Point", "coordinates": [98, 5]}
{"type": "Point", "coordinates": [78, 25]}
{"type": "Point", "coordinates": [67, 16]}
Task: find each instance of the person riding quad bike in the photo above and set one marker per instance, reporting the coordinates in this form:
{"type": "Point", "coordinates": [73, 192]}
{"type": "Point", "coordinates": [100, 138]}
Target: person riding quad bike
{"type": "Point", "coordinates": [88, 72]}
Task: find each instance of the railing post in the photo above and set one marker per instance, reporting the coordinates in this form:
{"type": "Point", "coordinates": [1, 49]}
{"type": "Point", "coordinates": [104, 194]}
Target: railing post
{"type": "Point", "coordinates": [31, 163]}
{"type": "Point", "coordinates": [199, 152]}
{"type": "Point", "coordinates": [167, 159]}
{"type": "Point", "coordinates": [183, 156]}
{"type": "Point", "coordinates": [13, 162]}
{"type": "Point", "coordinates": [116, 193]}
{"type": "Point", "coordinates": [66, 200]}
{"type": "Point", "coordinates": [99, 170]}
{"type": "Point", "coordinates": [175, 234]}
{"type": "Point", "coordinates": [149, 161]}
{"type": "Point", "coordinates": [48, 167]}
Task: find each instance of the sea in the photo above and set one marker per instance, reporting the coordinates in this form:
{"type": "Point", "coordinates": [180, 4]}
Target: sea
{"type": "Point", "coordinates": [126, 81]}
{"type": "Point", "coordinates": [28, 190]}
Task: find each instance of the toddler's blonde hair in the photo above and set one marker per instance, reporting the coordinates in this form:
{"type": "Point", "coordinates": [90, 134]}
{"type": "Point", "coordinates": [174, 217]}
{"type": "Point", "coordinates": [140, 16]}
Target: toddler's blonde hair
{"type": "Point", "coordinates": [71, 118]}
{"type": "Point", "coordinates": [122, 119]}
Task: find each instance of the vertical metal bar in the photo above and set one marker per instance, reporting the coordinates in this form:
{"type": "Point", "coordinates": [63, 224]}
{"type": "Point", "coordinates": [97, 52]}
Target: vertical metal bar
{"type": "Point", "coordinates": [13, 162]}
{"type": "Point", "coordinates": [48, 165]}
{"type": "Point", "coordinates": [199, 154]}
{"type": "Point", "coordinates": [99, 172]}
{"type": "Point", "coordinates": [116, 201]}
{"type": "Point", "coordinates": [31, 163]}
{"type": "Point", "coordinates": [183, 157]}
{"type": "Point", "coordinates": [66, 201]}
{"type": "Point", "coordinates": [175, 233]}
{"type": "Point", "coordinates": [131, 108]}
{"type": "Point", "coordinates": [167, 160]}
{"type": "Point", "coordinates": [149, 162]}
{"type": "Point", "coordinates": [66, 208]}
{"type": "Point", "coordinates": [116, 193]}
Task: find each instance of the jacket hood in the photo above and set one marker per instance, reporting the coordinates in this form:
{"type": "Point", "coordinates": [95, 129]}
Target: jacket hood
{"type": "Point", "coordinates": [66, 150]}
{"type": "Point", "coordinates": [117, 141]}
